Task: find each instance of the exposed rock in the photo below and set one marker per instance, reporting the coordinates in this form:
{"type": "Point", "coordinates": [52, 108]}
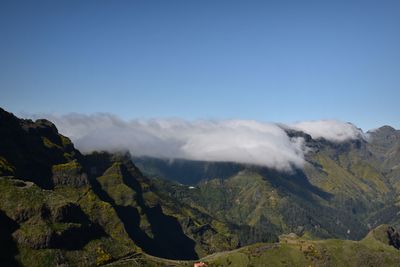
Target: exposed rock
{"type": "Point", "coordinates": [70, 174]}
{"type": "Point", "coordinates": [34, 236]}
{"type": "Point", "coordinates": [23, 214]}
{"type": "Point", "coordinates": [394, 237]}
{"type": "Point", "coordinates": [28, 149]}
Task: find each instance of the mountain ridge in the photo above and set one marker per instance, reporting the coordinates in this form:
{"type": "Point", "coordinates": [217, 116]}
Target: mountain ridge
{"type": "Point", "coordinates": [61, 207]}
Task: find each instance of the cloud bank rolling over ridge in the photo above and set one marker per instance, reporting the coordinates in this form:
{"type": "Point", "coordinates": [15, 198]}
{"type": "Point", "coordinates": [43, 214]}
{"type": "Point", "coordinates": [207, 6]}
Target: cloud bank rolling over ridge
{"type": "Point", "coordinates": [332, 130]}
{"type": "Point", "coordinates": [243, 141]}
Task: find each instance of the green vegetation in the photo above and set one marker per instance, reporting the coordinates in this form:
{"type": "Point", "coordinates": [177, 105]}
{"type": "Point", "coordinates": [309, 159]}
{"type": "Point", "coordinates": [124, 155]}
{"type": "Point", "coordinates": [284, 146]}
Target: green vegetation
{"type": "Point", "coordinates": [5, 167]}
{"type": "Point", "coordinates": [292, 250]}
{"type": "Point", "coordinates": [301, 252]}
{"type": "Point", "coordinates": [72, 165]}
{"type": "Point", "coordinates": [58, 207]}
{"type": "Point", "coordinates": [47, 143]}
{"type": "Point", "coordinates": [65, 141]}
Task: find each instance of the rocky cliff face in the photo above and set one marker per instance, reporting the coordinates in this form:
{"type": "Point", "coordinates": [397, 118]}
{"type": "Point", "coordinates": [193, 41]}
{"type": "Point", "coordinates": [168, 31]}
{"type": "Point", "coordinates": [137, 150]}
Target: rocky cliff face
{"type": "Point", "coordinates": [344, 190]}
{"type": "Point", "coordinates": [394, 237]}
{"type": "Point", "coordinates": [60, 207]}
{"type": "Point", "coordinates": [29, 149]}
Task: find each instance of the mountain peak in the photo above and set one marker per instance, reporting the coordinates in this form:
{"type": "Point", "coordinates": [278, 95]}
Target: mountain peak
{"type": "Point", "coordinates": [385, 129]}
{"type": "Point", "coordinates": [384, 134]}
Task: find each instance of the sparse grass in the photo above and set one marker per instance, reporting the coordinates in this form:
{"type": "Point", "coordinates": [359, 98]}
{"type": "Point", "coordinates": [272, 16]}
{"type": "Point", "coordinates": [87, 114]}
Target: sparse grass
{"type": "Point", "coordinates": [65, 141]}
{"type": "Point", "coordinates": [72, 165]}
{"type": "Point", "coordinates": [5, 167]}
{"type": "Point", "coordinates": [300, 252]}
{"type": "Point", "coordinates": [47, 143]}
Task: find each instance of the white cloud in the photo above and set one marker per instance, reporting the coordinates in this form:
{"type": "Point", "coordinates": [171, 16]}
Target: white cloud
{"type": "Point", "coordinates": [332, 130]}
{"type": "Point", "coordinates": [243, 141]}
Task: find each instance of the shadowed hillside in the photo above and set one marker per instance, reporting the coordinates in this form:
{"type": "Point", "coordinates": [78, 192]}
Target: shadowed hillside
{"type": "Point", "coordinates": [59, 207]}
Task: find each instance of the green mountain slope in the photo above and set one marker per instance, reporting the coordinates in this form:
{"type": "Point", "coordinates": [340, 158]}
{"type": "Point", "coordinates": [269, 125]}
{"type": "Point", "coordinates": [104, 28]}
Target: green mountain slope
{"type": "Point", "coordinates": [59, 207]}
{"type": "Point", "coordinates": [294, 251]}
{"type": "Point", "coordinates": [376, 249]}
{"type": "Point", "coordinates": [344, 189]}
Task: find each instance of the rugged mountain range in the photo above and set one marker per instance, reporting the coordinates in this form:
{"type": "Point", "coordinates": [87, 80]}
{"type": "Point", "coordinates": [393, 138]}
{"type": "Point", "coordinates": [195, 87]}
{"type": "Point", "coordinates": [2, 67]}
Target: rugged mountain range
{"type": "Point", "coordinates": [60, 207]}
{"type": "Point", "coordinates": [344, 190]}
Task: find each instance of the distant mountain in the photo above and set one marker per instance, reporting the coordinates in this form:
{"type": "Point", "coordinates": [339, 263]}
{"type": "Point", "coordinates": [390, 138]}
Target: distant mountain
{"type": "Point", "coordinates": [384, 143]}
{"type": "Point", "coordinates": [59, 207]}
{"type": "Point", "coordinates": [344, 190]}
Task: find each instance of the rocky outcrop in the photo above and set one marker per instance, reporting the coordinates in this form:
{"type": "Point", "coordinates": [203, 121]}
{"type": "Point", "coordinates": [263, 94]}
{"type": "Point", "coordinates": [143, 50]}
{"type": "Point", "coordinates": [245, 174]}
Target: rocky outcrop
{"type": "Point", "coordinates": [394, 237]}
{"type": "Point", "coordinates": [29, 149]}
{"type": "Point", "coordinates": [70, 174]}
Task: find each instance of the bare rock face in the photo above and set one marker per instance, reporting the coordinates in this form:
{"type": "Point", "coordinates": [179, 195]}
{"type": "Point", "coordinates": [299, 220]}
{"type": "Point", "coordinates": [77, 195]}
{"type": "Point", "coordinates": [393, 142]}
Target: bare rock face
{"type": "Point", "coordinates": [35, 236]}
{"type": "Point", "coordinates": [394, 237]}
{"type": "Point", "coordinates": [29, 149]}
{"type": "Point", "coordinates": [70, 174]}
{"type": "Point", "coordinates": [63, 226]}
{"type": "Point", "coordinates": [69, 236]}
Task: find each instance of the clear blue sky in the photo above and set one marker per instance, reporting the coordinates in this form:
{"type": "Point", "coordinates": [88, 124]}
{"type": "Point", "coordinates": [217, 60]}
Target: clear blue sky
{"type": "Point", "coordinates": [278, 61]}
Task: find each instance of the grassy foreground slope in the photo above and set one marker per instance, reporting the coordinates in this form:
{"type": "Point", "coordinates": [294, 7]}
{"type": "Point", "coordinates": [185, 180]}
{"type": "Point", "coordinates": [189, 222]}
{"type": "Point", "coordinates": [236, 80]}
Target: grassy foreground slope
{"type": "Point", "coordinates": [291, 250]}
